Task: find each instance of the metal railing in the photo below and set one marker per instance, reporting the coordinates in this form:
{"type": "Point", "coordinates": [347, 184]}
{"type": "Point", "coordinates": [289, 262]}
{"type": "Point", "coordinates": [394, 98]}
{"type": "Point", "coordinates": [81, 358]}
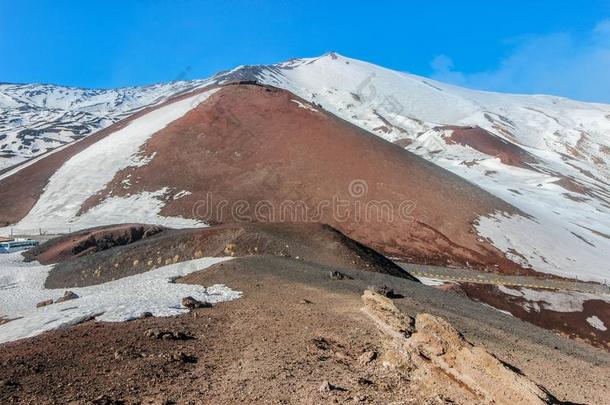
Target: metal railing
{"type": "Point", "coordinates": [15, 232]}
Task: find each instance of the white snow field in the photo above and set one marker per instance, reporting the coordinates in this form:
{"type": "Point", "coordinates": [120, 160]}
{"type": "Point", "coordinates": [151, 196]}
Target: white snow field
{"type": "Point", "coordinates": [22, 287]}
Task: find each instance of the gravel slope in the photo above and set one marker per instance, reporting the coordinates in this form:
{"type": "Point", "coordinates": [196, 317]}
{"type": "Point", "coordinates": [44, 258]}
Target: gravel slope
{"type": "Point", "coordinates": [293, 329]}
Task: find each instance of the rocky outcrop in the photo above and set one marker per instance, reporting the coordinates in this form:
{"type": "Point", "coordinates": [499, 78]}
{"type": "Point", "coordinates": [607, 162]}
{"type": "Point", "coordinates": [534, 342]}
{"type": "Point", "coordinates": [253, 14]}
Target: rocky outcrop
{"type": "Point", "coordinates": [68, 296]}
{"type": "Point", "coordinates": [438, 359]}
{"type": "Point", "coordinates": [191, 303]}
{"type": "Point", "coordinates": [44, 303]}
{"type": "Point", "coordinates": [90, 241]}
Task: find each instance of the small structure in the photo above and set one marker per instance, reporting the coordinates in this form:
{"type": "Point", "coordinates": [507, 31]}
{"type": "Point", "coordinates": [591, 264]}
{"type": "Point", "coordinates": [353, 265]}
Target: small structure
{"type": "Point", "coordinates": [8, 245]}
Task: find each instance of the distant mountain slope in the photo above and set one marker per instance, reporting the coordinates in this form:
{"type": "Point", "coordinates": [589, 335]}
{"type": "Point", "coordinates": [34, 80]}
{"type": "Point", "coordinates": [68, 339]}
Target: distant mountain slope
{"type": "Point", "coordinates": [36, 118]}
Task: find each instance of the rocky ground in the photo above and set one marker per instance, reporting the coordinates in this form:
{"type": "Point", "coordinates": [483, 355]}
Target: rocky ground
{"type": "Point", "coordinates": [300, 335]}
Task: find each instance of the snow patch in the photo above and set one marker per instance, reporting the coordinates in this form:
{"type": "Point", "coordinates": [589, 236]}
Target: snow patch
{"type": "Point", "coordinates": [431, 281]}
{"type": "Point", "coordinates": [143, 208]}
{"type": "Point", "coordinates": [497, 309]}
{"type": "Point", "coordinates": [181, 194]}
{"type": "Point", "coordinates": [559, 301]}
{"type": "Point", "coordinates": [303, 105]}
{"type": "Point", "coordinates": [597, 323]}
{"type": "Point", "coordinates": [22, 287]}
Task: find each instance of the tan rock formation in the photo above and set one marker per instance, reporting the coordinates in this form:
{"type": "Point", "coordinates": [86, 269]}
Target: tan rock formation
{"type": "Point", "coordinates": [441, 362]}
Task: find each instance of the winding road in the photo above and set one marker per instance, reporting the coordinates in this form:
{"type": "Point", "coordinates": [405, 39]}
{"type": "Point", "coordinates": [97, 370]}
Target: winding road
{"type": "Point", "coordinates": [473, 276]}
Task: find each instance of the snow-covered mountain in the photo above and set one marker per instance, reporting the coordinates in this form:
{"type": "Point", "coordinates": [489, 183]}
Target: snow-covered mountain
{"type": "Point", "coordinates": [549, 157]}
{"type": "Point", "coordinates": [36, 118]}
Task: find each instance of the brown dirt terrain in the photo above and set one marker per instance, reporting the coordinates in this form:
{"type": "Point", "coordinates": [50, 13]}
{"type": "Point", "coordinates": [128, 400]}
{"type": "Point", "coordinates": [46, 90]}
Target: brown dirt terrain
{"type": "Point", "coordinates": [314, 243]}
{"type": "Point", "coordinates": [571, 324]}
{"type": "Point", "coordinates": [296, 336]}
{"type": "Point", "coordinates": [254, 148]}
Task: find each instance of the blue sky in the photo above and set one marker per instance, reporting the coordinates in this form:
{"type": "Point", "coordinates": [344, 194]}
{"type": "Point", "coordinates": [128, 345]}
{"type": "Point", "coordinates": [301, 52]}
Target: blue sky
{"type": "Point", "coordinates": [556, 47]}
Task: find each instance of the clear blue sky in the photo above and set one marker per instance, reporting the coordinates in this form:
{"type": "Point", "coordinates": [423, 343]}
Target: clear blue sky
{"type": "Point", "coordinates": [559, 47]}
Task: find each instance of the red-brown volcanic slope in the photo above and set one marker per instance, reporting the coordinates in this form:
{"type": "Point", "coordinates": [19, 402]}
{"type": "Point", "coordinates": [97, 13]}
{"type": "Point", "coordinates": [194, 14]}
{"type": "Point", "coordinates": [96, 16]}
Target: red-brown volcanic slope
{"type": "Point", "coordinates": [19, 192]}
{"type": "Point", "coordinates": [252, 143]}
{"type": "Point", "coordinates": [490, 144]}
{"type": "Point", "coordinates": [571, 324]}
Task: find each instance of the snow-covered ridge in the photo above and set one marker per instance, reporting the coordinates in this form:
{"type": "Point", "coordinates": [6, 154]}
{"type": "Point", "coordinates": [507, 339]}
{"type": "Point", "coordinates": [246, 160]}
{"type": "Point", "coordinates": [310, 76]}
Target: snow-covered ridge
{"type": "Point", "coordinates": [36, 118]}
